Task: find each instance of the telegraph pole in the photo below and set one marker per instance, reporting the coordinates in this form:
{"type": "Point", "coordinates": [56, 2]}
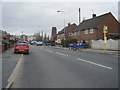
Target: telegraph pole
{"type": "Point", "coordinates": [79, 16]}
{"type": "Point", "coordinates": [42, 35]}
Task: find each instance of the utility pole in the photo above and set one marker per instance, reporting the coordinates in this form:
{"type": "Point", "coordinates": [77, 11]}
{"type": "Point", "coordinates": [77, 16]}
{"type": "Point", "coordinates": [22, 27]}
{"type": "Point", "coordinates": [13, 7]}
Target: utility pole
{"type": "Point", "coordinates": [42, 35]}
{"type": "Point", "coordinates": [48, 37]}
{"type": "Point", "coordinates": [22, 32]}
{"type": "Point", "coordinates": [79, 16]}
{"type": "Point", "coordinates": [64, 28]}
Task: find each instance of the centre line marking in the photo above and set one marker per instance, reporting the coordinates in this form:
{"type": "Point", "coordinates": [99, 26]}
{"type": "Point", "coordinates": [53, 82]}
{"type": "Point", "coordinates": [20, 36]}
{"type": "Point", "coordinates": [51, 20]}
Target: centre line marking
{"type": "Point", "coordinates": [61, 54]}
{"type": "Point", "coordinates": [49, 50]}
{"type": "Point", "coordinates": [94, 63]}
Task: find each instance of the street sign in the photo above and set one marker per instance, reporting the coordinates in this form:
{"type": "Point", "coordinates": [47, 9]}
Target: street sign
{"type": "Point", "coordinates": [105, 29]}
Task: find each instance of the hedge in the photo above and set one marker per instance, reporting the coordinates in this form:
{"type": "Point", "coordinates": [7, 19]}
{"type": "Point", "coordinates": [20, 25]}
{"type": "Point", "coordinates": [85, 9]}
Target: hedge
{"type": "Point", "coordinates": [68, 41]}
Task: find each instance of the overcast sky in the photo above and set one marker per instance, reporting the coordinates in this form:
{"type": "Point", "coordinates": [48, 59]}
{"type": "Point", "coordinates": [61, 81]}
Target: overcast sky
{"type": "Point", "coordinates": [31, 17]}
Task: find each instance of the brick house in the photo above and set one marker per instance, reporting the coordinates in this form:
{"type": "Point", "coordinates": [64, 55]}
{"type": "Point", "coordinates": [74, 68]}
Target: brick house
{"type": "Point", "coordinates": [92, 29]}
{"type": "Point", "coordinates": [68, 32]}
{"type": "Point", "coordinates": [4, 40]}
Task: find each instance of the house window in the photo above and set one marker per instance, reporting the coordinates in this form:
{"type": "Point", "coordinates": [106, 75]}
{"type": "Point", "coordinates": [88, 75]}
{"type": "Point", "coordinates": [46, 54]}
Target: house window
{"type": "Point", "coordinates": [86, 31]}
{"type": "Point", "coordinates": [78, 32]}
{"type": "Point", "coordinates": [91, 30]}
{"type": "Point", "coordinates": [75, 33]}
{"type": "Point", "coordinates": [69, 34]}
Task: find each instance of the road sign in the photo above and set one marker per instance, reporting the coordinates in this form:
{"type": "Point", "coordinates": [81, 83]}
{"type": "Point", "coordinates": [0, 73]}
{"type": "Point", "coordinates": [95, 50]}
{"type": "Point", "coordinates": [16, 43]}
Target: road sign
{"type": "Point", "coordinates": [105, 28]}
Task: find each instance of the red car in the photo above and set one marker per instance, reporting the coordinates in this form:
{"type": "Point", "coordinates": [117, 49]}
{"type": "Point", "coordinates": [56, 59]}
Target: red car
{"type": "Point", "coordinates": [21, 47]}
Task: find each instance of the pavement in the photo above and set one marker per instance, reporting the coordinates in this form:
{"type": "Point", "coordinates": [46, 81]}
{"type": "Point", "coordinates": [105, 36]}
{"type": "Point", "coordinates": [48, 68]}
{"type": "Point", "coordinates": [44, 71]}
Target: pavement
{"type": "Point", "coordinates": [9, 61]}
{"type": "Point", "coordinates": [47, 67]}
{"type": "Point", "coordinates": [108, 52]}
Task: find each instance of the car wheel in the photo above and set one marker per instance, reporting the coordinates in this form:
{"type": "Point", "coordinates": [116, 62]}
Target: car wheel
{"type": "Point", "coordinates": [27, 53]}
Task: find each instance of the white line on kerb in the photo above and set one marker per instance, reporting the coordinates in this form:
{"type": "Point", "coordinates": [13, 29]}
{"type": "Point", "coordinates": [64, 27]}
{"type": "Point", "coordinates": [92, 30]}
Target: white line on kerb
{"type": "Point", "coordinates": [61, 54]}
{"type": "Point", "coordinates": [13, 75]}
{"type": "Point", "coordinates": [94, 63]}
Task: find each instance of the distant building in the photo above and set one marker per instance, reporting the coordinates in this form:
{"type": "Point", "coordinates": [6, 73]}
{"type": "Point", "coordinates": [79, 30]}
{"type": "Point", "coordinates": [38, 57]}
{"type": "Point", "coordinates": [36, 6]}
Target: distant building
{"type": "Point", "coordinates": [24, 37]}
{"type": "Point", "coordinates": [31, 37]}
{"type": "Point", "coordinates": [54, 34]}
{"type": "Point", "coordinates": [4, 40]}
{"type": "Point", "coordinates": [4, 36]}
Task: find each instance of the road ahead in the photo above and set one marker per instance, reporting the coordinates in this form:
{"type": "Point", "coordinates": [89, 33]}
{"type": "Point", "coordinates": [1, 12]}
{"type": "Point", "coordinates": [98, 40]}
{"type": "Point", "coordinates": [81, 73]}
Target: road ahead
{"type": "Point", "coordinates": [47, 67]}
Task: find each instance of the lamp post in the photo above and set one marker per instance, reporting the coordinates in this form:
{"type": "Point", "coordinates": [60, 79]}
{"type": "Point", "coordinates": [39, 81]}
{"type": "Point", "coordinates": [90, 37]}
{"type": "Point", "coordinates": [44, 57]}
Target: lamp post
{"type": "Point", "coordinates": [64, 25]}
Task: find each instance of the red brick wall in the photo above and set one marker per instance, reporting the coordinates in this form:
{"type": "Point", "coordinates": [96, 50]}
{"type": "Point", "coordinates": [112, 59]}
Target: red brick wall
{"type": "Point", "coordinates": [70, 30]}
{"type": "Point", "coordinates": [88, 36]}
{"type": "Point", "coordinates": [112, 24]}
{"type": "Point", "coordinates": [76, 36]}
{"type": "Point", "coordinates": [2, 49]}
{"type": "Point", "coordinates": [61, 36]}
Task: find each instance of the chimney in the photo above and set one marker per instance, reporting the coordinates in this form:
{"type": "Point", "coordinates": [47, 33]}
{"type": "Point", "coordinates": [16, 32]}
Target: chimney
{"type": "Point", "coordinates": [68, 24]}
{"type": "Point", "coordinates": [94, 15]}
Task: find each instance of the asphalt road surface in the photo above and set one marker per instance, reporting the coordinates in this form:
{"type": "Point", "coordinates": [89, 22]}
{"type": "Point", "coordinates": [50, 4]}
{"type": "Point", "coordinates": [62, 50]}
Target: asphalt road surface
{"type": "Point", "coordinates": [47, 67]}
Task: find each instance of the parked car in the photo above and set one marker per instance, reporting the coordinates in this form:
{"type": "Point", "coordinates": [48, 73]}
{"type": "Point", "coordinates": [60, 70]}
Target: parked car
{"type": "Point", "coordinates": [75, 46]}
{"type": "Point", "coordinates": [33, 42]}
{"type": "Point", "coordinates": [21, 47]}
{"type": "Point", "coordinates": [49, 44]}
{"type": "Point", "coordinates": [39, 43]}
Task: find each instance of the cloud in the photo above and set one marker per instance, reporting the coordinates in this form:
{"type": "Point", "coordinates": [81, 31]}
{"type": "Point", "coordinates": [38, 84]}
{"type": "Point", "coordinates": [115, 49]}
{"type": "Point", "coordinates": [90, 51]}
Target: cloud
{"type": "Point", "coordinates": [37, 16]}
{"type": "Point", "coordinates": [60, 0]}
{"type": "Point", "coordinates": [0, 16]}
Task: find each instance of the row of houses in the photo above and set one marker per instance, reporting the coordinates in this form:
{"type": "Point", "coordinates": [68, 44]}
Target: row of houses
{"type": "Point", "coordinates": [91, 29]}
{"type": "Point", "coordinates": [6, 40]}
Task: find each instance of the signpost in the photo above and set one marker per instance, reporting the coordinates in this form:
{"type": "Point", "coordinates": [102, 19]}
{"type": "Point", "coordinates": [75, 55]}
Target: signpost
{"type": "Point", "coordinates": [105, 30]}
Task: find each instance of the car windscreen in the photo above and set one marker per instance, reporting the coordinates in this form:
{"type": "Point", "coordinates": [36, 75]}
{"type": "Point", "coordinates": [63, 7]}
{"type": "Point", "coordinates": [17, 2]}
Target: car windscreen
{"type": "Point", "coordinates": [71, 45]}
{"type": "Point", "coordinates": [22, 43]}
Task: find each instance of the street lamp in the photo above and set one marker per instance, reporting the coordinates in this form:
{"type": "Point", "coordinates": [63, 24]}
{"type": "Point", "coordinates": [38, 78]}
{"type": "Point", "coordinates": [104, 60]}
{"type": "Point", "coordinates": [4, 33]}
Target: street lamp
{"type": "Point", "coordinates": [64, 25]}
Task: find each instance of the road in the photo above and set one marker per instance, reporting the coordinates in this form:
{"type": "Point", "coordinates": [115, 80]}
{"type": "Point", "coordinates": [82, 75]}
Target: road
{"type": "Point", "coordinates": [47, 67]}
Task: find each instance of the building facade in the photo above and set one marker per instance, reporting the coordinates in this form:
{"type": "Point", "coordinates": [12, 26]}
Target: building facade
{"type": "Point", "coordinates": [54, 34]}
{"type": "Point", "coordinates": [24, 37]}
{"type": "Point", "coordinates": [68, 32]}
{"type": "Point", "coordinates": [92, 29]}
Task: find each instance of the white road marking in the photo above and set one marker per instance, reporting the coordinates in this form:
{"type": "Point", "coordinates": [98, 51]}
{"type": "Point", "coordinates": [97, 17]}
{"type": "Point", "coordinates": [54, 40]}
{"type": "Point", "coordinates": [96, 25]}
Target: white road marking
{"type": "Point", "coordinates": [61, 54]}
{"type": "Point", "coordinates": [94, 63]}
{"type": "Point", "coordinates": [13, 75]}
{"type": "Point", "coordinates": [49, 50]}
{"type": "Point", "coordinates": [57, 53]}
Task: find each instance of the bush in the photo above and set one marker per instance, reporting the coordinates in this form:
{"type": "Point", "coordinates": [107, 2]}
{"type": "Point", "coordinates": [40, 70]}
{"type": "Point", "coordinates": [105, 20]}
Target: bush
{"type": "Point", "coordinates": [12, 41]}
{"type": "Point", "coordinates": [66, 42]}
